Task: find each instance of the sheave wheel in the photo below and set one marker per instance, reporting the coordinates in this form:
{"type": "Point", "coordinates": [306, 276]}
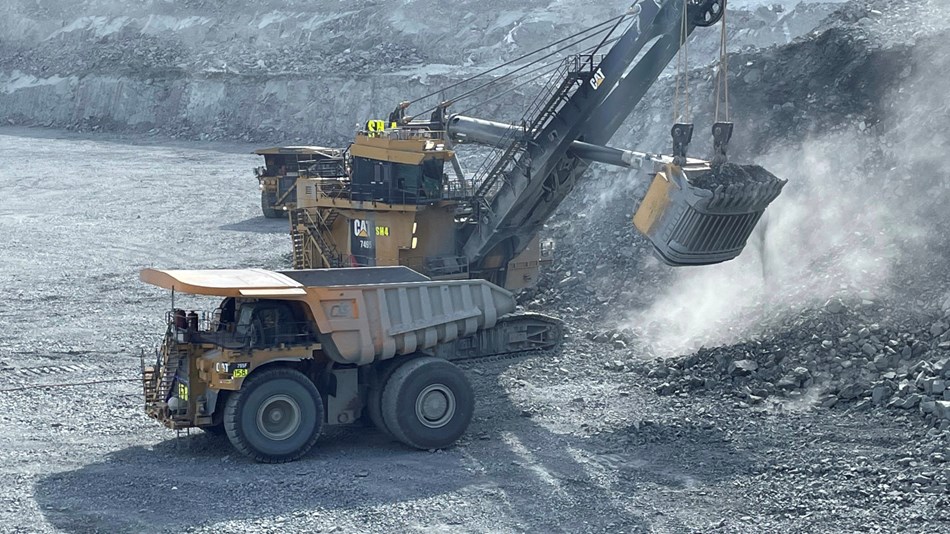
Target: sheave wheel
{"type": "Point", "coordinates": [275, 417]}
{"type": "Point", "coordinates": [427, 403]}
{"type": "Point", "coordinates": [268, 200]}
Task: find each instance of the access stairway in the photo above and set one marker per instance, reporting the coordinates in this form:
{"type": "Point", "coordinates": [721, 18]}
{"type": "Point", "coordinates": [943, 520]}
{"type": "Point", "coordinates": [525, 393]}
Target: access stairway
{"type": "Point", "coordinates": [314, 230]}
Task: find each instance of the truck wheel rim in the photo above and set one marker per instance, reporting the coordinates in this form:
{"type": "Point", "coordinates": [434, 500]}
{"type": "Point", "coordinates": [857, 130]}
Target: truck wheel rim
{"type": "Point", "coordinates": [435, 406]}
{"type": "Point", "coordinates": [278, 418]}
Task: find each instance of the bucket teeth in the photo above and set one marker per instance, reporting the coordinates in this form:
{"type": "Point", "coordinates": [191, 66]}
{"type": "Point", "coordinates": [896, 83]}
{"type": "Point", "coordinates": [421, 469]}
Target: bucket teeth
{"type": "Point", "coordinates": [735, 198]}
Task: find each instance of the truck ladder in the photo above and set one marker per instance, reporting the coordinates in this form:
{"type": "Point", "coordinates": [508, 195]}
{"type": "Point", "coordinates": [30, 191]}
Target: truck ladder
{"type": "Point", "coordinates": [158, 381]}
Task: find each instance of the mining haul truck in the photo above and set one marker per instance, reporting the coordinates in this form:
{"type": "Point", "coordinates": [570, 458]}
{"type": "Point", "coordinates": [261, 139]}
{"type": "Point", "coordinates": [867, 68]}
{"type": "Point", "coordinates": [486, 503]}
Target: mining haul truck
{"type": "Point", "coordinates": [401, 268]}
{"type": "Point", "coordinates": [277, 178]}
{"type": "Point", "coordinates": [285, 353]}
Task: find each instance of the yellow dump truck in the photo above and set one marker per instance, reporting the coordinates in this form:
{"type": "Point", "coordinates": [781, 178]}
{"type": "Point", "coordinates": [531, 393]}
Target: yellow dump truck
{"type": "Point", "coordinates": [286, 352]}
{"type": "Point", "coordinates": [277, 178]}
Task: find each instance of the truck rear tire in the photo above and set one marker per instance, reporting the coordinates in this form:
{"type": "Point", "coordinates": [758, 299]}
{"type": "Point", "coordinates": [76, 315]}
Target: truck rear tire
{"type": "Point", "coordinates": [427, 403]}
{"type": "Point", "coordinates": [267, 206]}
{"type": "Point", "coordinates": [275, 417]}
{"type": "Point", "coordinates": [215, 430]}
{"type": "Point", "coordinates": [374, 397]}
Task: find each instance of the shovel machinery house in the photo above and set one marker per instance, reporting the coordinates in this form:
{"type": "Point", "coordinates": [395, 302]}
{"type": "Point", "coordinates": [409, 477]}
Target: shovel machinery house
{"type": "Point", "coordinates": [402, 268]}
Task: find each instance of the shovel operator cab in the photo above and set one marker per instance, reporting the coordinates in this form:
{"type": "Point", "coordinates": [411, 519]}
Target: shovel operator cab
{"type": "Point", "coordinates": [285, 353]}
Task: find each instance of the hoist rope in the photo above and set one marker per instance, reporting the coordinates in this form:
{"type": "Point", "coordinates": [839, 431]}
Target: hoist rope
{"type": "Point", "coordinates": [512, 73]}
{"type": "Point", "coordinates": [682, 72]}
{"type": "Point", "coordinates": [722, 80]}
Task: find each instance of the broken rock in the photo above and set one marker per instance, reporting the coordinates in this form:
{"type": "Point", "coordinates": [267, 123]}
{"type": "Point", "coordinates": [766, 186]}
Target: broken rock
{"type": "Point", "coordinates": [836, 306]}
{"type": "Point", "coordinates": [941, 409]}
{"type": "Point", "coordinates": [787, 382]}
{"type": "Point", "coordinates": [742, 367]}
{"type": "Point", "coordinates": [938, 386]}
{"type": "Point", "coordinates": [938, 328]}
{"type": "Point", "coordinates": [851, 391]}
{"type": "Point", "coordinates": [879, 394]}
{"type": "Point", "coordinates": [906, 403]}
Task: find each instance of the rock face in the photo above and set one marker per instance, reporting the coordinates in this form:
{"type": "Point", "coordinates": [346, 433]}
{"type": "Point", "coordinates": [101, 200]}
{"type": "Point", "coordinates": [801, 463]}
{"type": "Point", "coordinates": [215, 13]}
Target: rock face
{"type": "Point", "coordinates": [283, 69]}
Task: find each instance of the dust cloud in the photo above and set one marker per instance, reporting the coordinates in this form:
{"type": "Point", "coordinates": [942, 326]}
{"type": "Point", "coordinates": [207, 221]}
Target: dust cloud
{"type": "Point", "coordinates": [827, 234]}
{"type": "Point", "coordinates": [863, 217]}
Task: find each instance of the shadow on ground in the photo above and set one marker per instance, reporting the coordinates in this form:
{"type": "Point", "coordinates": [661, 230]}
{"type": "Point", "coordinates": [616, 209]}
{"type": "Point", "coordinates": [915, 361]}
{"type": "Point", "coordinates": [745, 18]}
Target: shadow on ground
{"type": "Point", "coordinates": [508, 466]}
{"type": "Point", "coordinates": [259, 225]}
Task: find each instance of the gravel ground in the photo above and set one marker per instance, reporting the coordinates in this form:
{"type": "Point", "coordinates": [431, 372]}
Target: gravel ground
{"type": "Point", "coordinates": [560, 442]}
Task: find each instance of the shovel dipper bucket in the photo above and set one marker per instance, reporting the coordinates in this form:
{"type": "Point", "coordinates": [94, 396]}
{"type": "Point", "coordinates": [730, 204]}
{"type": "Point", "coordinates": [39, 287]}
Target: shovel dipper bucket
{"type": "Point", "coordinates": [701, 215]}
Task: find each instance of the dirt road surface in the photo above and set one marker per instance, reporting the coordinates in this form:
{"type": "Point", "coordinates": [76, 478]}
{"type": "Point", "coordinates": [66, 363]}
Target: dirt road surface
{"type": "Point", "coordinates": [558, 444]}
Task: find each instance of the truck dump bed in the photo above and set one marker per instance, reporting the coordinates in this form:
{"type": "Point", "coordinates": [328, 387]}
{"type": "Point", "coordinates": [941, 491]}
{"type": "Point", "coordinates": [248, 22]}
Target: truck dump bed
{"type": "Point", "coordinates": [372, 313]}
{"type": "Point", "coordinates": [362, 314]}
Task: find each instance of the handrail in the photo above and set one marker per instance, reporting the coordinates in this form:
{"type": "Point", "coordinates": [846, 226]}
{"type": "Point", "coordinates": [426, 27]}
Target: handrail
{"type": "Point", "coordinates": [405, 134]}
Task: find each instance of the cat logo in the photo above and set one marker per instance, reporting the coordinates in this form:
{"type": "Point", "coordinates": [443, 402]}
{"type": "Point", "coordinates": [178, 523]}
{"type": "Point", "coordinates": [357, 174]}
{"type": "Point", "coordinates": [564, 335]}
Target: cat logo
{"type": "Point", "coordinates": [360, 228]}
{"type": "Point", "coordinates": [597, 79]}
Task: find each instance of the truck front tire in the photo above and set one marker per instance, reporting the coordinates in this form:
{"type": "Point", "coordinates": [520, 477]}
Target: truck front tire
{"type": "Point", "coordinates": [275, 417]}
{"type": "Point", "coordinates": [427, 403]}
{"type": "Point", "coordinates": [267, 206]}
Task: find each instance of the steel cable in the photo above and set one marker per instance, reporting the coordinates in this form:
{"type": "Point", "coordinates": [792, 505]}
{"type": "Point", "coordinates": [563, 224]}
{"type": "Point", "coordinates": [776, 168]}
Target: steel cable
{"type": "Point", "coordinates": [524, 56]}
{"type": "Point", "coordinates": [556, 66]}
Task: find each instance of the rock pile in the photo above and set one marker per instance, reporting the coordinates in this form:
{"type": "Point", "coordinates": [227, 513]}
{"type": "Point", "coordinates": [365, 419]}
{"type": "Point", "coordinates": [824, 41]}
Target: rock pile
{"type": "Point", "coordinates": [829, 357]}
{"type": "Point", "coordinates": [732, 174]}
